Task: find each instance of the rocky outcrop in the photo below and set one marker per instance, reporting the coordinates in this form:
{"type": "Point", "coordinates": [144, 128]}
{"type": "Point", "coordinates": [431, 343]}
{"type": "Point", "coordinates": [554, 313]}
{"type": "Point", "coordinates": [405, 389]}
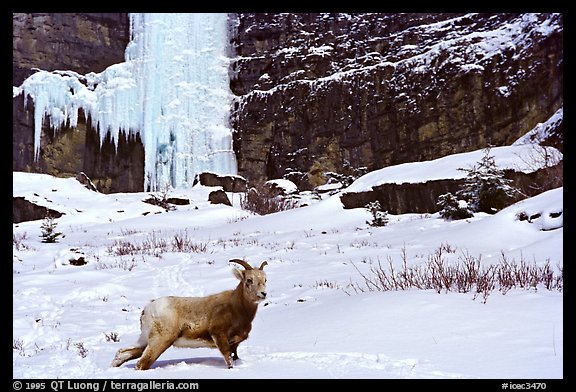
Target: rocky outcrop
{"type": "Point", "coordinates": [316, 92]}
{"type": "Point", "coordinates": [87, 42]}
{"type": "Point", "coordinates": [219, 197]}
{"type": "Point", "coordinates": [403, 198]}
{"type": "Point", "coordinates": [83, 179]}
{"type": "Point", "coordinates": [227, 182]}
{"type": "Point", "coordinates": [24, 210]}
{"type": "Point", "coordinates": [422, 197]}
{"type": "Point", "coordinates": [178, 201]}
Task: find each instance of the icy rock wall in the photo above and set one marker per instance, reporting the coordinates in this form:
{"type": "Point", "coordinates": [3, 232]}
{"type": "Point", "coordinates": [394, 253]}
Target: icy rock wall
{"type": "Point", "coordinates": [320, 93]}
{"type": "Point", "coordinates": [172, 90]}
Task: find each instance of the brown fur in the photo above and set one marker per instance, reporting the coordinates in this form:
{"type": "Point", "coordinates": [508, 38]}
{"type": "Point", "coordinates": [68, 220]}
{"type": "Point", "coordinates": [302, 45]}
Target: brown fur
{"type": "Point", "coordinates": [221, 320]}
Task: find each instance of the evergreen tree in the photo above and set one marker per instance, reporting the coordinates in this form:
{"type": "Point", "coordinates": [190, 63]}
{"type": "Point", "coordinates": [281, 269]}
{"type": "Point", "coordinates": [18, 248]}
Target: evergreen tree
{"type": "Point", "coordinates": [485, 188]}
{"type": "Point", "coordinates": [379, 217]}
{"type": "Point", "coordinates": [48, 230]}
{"type": "Point", "coordinates": [452, 208]}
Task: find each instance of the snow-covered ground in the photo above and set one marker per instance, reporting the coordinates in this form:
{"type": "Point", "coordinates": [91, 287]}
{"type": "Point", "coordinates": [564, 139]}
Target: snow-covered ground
{"type": "Point", "coordinates": [70, 320]}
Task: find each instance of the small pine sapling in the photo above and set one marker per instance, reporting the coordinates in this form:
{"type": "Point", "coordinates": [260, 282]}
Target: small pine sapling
{"type": "Point", "coordinates": [48, 230]}
{"type": "Point", "coordinates": [452, 208]}
{"type": "Point", "coordinates": [379, 217]}
{"type": "Point", "coordinates": [485, 187]}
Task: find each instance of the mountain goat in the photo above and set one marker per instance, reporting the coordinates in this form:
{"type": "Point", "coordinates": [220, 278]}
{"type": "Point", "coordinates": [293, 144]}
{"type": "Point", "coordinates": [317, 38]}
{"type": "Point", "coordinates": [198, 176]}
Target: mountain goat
{"type": "Point", "coordinates": [221, 320]}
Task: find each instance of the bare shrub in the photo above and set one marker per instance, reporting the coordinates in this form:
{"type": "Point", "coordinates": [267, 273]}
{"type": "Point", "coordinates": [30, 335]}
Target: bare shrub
{"type": "Point", "coordinates": [128, 231]}
{"type": "Point", "coordinates": [126, 265]}
{"type": "Point", "coordinates": [82, 351]}
{"type": "Point", "coordinates": [18, 345]}
{"type": "Point", "coordinates": [112, 337]}
{"type": "Point", "coordinates": [485, 282]}
{"type": "Point", "coordinates": [126, 248]}
{"type": "Point", "coordinates": [160, 199]}
{"type": "Point", "coordinates": [155, 245]}
{"type": "Point", "coordinates": [528, 276]}
{"type": "Point", "coordinates": [263, 199]}
{"type": "Point", "coordinates": [464, 276]}
{"type": "Point", "coordinates": [325, 284]}
{"type": "Point", "coordinates": [182, 243]}
{"type": "Point", "coordinates": [17, 241]}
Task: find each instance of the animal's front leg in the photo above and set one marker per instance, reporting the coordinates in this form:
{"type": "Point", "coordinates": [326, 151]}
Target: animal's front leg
{"type": "Point", "coordinates": [223, 345]}
{"type": "Point", "coordinates": [233, 349]}
{"type": "Point", "coordinates": [234, 343]}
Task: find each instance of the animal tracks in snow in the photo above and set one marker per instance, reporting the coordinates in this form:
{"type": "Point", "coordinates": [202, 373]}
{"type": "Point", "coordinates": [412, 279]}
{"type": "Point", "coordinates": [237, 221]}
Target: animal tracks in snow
{"type": "Point", "coordinates": [177, 278]}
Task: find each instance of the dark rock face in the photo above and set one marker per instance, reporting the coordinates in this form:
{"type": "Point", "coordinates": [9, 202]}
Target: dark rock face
{"type": "Point", "coordinates": [318, 91]}
{"type": "Point", "coordinates": [24, 210]}
{"type": "Point", "coordinates": [178, 201]}
{"type": "Point", "coordinates": [82, 43]}
{"type": "Point", "coordinates": [219, 197]}
{"type": "Point", "coordinates": [83, 179]}
{"type": "Point", "coordinates": [403, 198]}
{"type": "Point", "coordinates": [78, 262]}
{"type": "Point", "coordinates": [228, 183]}
{"type": "Point", "coordinates": [115, 166]}
{"type": "Point", "coordinates": [23, 135]}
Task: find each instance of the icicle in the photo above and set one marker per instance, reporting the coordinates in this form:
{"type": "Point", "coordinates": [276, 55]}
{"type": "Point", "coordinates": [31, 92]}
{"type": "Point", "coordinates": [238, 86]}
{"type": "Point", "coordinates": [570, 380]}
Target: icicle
{"type": "Point", "coordinates": [173, 90]}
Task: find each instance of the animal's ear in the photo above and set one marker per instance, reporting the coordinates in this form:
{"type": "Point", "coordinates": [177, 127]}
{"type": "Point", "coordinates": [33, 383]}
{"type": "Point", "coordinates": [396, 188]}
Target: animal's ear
{"type": "Point", "coordinates": [239, 274]}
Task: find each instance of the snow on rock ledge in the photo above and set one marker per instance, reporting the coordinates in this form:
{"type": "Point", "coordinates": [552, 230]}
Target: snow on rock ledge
{"type": "Point", "coordinates": [523, 158]}
{"type": "Point", "coordinates": [416, 186]}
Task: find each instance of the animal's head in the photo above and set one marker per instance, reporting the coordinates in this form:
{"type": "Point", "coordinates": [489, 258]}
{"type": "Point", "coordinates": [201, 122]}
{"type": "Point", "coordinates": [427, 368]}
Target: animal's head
{"type": "Point", "coordinates": [253, 280]}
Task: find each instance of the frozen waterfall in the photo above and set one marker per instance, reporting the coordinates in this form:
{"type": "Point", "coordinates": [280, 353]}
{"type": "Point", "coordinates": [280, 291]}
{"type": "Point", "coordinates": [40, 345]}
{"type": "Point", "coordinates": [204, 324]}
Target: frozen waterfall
{"type": "Point", "coordinates": [173, 90]}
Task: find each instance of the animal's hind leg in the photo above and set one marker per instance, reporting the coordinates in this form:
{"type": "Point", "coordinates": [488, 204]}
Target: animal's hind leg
{"type": "Point", "coordinates": [126, 354]}
{"type": "Point", "coordinates": [156, 346]}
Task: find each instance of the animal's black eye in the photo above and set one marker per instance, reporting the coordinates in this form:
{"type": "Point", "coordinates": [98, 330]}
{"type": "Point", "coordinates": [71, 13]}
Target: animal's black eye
{"type": "Point", "coordinates": [249, 281]}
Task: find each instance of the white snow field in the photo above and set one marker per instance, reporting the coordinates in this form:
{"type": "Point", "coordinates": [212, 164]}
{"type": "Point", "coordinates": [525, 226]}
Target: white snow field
{"type": "Point", "coordinates": [319, 320]}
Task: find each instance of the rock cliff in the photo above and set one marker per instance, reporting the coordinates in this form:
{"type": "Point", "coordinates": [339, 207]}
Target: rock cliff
{"type": "Point", "coordinates": [321, 92]}
{"type": "Point", "coordinates": [87, 42]}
